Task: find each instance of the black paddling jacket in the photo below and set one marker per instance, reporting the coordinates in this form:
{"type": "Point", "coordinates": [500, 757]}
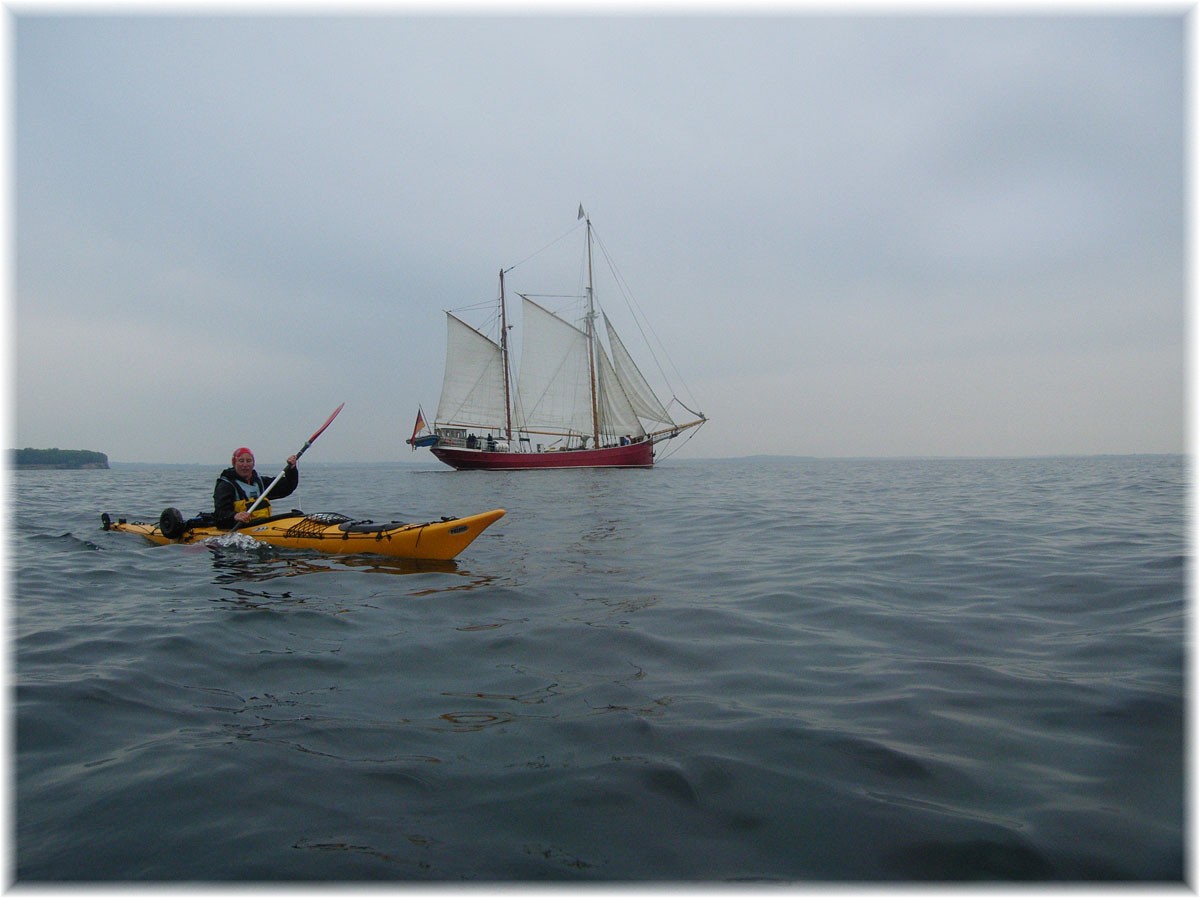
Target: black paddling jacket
{"type": "Point", "coordinates": [230, 496]}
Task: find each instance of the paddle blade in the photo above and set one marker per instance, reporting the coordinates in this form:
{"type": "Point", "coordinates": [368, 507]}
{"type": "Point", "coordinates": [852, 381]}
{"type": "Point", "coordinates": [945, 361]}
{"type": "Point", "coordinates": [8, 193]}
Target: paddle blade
{"type": "Point", "coordinates": [328, 421]}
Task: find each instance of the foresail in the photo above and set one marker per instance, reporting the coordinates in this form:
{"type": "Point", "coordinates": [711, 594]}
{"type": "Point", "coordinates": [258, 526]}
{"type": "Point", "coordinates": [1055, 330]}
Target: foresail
{"type": "Point", "coordinates": [473, 383]}
{"type": "Point", "coordinates": [617, 415]}
{"type": "Point", "coordinates": [641, 397]}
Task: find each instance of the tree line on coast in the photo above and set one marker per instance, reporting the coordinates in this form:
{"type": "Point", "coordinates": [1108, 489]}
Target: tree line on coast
{"type": "Point", "coordinates": [58, 458]}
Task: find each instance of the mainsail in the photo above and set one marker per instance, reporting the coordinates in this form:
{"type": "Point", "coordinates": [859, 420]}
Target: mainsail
{"type": "Point", "coordinates": [554, 388]}
{"type": "Point", "coordinates": [553, 391]}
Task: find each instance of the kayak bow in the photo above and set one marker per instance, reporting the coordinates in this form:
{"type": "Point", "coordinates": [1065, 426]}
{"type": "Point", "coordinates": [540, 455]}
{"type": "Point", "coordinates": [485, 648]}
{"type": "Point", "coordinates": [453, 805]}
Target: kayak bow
{"type": "Point", "coordinates": [336, 534]}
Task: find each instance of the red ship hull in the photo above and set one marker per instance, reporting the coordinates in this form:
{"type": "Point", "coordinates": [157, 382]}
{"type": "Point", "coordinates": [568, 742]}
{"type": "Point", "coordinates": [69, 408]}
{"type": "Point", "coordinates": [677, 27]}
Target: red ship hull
{"type": "Point", "coordinates": [635, 455]}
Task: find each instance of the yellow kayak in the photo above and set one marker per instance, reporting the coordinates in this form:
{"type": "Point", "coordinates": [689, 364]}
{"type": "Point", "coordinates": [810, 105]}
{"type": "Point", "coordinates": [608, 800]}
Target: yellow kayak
{"type": "Point", "coordinates": [332, 533]}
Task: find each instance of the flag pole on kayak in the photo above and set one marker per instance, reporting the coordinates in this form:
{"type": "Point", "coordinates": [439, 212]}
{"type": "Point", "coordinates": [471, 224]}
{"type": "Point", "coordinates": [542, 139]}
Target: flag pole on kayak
{"type": "Point", "coordinates": [312, 439]}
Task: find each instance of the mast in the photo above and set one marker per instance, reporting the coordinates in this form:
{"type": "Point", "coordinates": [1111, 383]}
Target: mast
{"type": "Point", "coordinates": [591, 336]}
{"type": "Point", "coordinates": [504, 360]}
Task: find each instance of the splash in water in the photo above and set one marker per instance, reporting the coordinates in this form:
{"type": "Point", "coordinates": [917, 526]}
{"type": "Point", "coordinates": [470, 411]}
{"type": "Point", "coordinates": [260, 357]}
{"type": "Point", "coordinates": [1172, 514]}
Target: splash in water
{"type": "Point", "coordinates": [234, 540]}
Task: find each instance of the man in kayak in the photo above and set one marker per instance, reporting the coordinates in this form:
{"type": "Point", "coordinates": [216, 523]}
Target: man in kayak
{"type": "Point", "coordinates": [239, 485]}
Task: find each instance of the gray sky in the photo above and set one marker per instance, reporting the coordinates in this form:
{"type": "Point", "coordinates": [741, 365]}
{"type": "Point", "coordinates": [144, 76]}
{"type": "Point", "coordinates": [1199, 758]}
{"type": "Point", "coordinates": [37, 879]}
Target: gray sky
{"type": "Point", "coordinates": [870, 235]}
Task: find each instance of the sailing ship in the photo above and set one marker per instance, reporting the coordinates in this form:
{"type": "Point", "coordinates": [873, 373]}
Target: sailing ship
{"type": "Point", "coordinates": [575, 403]}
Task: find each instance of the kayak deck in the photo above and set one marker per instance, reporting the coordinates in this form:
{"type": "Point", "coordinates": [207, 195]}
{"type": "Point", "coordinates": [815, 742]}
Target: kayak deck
{"type": "Point", "coordinates": [336, 534]}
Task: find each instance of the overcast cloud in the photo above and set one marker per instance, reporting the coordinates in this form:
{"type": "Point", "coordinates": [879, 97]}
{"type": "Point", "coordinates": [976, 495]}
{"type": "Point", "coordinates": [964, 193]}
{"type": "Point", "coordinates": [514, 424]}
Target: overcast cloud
{"type": "Point", "coordinates": [867, 235]}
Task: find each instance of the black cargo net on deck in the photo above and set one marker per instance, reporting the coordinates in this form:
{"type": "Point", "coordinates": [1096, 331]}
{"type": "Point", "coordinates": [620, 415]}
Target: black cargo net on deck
{"type": "Point", "coordinates": [315, 525]}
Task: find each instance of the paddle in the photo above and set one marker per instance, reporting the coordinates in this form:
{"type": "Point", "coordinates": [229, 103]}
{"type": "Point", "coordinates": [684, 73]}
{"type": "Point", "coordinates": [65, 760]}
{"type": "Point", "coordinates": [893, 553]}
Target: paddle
{"type": "Point", "coordinates": [312, 439]}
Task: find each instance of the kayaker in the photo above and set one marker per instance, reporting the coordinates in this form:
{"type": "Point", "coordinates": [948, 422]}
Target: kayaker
{"type": "Point", "coordinates": [239, 485]}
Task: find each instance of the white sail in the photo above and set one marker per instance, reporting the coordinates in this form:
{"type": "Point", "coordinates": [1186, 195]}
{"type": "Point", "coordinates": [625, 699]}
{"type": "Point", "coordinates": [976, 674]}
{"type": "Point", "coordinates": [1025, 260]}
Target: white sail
{"type": "Point", "coordinates": [473, 384]}
{"type": "Point", "coordinates": [641, 397]}
{"type": "Point", "coordinates": [553, 388]}
{"type": "Point", "coordinates": [617, 415]}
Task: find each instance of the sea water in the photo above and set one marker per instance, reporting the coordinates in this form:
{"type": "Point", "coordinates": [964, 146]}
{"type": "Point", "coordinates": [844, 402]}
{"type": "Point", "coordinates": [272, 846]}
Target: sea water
{"type": "Point", "coordinates": [796, 670]}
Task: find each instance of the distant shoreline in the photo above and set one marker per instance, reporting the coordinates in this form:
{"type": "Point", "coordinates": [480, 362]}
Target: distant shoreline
{"type": "Point", "coordinates": [58, 459]}
{"type": "Point", "coordinates": [64, 467]}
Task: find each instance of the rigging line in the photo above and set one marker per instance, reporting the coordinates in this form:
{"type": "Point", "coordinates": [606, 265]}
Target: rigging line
{"type": "Point", "coordinates": [686, 409]}
{"type": "Point", "coordinates": [482, 304]}
{"type": "Point", "coordinates": [667, 453]}
{"type": "Point", "coordinates": [559, 239]}
{"type": "Point", "coordinates": [630, 303]}
{"type": "Point", "coordinates": [490, 326]}
{"type": "Point", "coordinates": [675, 447]}
{"type": "Point", "coordinates": [638, 317]}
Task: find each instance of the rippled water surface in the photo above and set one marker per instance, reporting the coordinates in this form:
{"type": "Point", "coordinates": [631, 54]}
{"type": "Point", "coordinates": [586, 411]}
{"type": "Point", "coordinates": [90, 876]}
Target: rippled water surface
{"type": "Point", "coordinates": [761, 669]}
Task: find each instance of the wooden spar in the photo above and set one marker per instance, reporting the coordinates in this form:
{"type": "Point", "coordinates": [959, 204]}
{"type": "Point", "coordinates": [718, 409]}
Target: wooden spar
{"type": "Point", "coordinates": [504, 360]}
{"type": "Point", "coordinates": [591, 334]}
{"type": "Point", "coordinates": [658, 435]}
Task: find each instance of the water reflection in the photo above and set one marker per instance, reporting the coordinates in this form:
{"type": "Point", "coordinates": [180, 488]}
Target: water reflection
{"type": "Point", "coordinates": [257, 565]}
{"type": "Point", "coordinates": [474, 721]}
{"type": "Point", "coordinates": [244, 574]}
